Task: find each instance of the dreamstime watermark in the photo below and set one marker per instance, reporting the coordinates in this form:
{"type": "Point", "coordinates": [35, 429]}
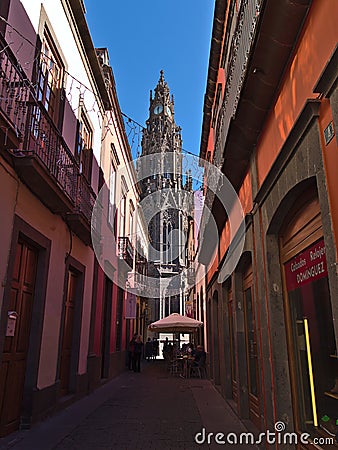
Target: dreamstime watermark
{"type": "Point", "coordinates": [278, 436]}
{"type": "Point", "coordinates": [171, 197]}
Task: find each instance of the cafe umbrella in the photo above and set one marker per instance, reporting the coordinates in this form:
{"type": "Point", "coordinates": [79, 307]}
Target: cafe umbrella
{"type": "Point", "coordinates": [175, 323]}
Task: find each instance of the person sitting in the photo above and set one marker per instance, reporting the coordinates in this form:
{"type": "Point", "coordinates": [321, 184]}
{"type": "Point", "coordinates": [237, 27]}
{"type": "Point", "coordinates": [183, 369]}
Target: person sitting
{"type": "Point", "coordinates": [190, 349]}
{"type": "Point", "coordinates": [198, 364]}
{"type": "Point", "coordinates": [199, 357]}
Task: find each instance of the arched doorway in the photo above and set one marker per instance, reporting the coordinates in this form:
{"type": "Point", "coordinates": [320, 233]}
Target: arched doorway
{"type": "Point", "coordinates": [311, 344]}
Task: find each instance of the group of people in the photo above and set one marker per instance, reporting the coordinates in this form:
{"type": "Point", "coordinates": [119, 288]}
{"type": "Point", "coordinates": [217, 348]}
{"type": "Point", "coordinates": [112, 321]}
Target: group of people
{"type": "Point", "coordinates": [196, 359]}
{"type": "Point", "coordinates": [135, 351]}
{"type": "Point", "coordinates": [152, 348]}
{"type": "Point", "coordinates": [197, 356]}
{"type": "Point", "coordinates": [171, 351]}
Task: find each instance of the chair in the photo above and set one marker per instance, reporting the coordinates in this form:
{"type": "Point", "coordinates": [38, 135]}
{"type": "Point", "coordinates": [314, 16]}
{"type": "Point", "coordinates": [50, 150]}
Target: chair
{"type": "Point", "coordinates": [199, 371]}
{"type": "Point", "coordinates": [175, 367]}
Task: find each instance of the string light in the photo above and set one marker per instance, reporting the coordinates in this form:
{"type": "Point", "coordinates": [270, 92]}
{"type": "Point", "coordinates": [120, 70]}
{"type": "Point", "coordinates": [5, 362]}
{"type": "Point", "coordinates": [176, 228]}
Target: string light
{"type": "Point", "coordinates": [134, 129]}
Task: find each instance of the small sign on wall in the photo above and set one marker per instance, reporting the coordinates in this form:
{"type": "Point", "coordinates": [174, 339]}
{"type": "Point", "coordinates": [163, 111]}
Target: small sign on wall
{"type": "Point", "coordinates": [130, 306]}
{"type": "Point", "coordinates": [329, 133]}
{"type": "Point", "coordinates": [306, 267]}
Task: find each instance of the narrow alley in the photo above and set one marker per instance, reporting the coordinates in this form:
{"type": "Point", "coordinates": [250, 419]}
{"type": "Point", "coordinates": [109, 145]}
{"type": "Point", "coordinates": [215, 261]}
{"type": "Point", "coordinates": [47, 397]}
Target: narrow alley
{"type": "Point", "coordinates": [168, 176]}
{"type": "Point", "coordinates": [147, 410]}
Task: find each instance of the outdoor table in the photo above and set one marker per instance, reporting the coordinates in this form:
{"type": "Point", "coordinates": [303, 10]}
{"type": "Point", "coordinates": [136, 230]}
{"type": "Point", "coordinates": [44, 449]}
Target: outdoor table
{"type": "Point", "coordinates": [187, 360]}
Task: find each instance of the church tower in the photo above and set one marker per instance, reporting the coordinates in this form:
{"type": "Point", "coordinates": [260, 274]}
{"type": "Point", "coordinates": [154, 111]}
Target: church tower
{"type": "Point", "coordinates": [163, 190]}
{"type": "Point", "coordinates": [163, 136]}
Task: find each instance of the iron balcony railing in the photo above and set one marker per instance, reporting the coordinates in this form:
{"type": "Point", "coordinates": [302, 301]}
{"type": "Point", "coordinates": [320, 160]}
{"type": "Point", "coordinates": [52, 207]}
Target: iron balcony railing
{"type": "Point", "coordinates": [14, 91]}
{"type": "Point", "coordinates": [191, 276]}
{"type": "Point", "coordinates": [125, 250]}
{"type": "Point", "coordinates": [85, 198]}
{"type": "Point", "coordinates": [43, 141]}
{"type": "Point", "coordinates": [141, 284]}
{"type": "Point", "coordinates": [240, 49]}
{"type": "Point", "coordinates": [39, 136]}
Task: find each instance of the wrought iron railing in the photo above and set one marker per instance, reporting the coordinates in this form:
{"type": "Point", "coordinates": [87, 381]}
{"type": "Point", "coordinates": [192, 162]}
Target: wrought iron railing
{"type": "Point", "coordinates": [44, 142]}
{"type": "Point", "coordinates": [39, 136]}
{"type": "Point", "coordinates": [141, 284]}
{"type": "Point", "coordinates": [125, 250]}
{"type": "Point", "coordinates": [236, 70]}
{"type": "Point", "coordinates": [14, 91]}
{"type": "Point", "coordinates": [85, 198]}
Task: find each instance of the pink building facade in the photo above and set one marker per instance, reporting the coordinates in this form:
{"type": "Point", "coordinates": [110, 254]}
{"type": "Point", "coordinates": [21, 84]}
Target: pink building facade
{"type": "Point", "coordinates": [62, 323]}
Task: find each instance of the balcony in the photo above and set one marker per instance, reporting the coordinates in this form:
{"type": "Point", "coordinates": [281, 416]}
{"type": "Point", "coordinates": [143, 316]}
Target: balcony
{"type": "Point", "coordinates": [80, 219]}
{"type": "Point", "coordinates": [125, 250]}
{"type": "Point", "coordinates": [14, 94]}
{"type": "Point", "coordinates": [141, 284]}
{"type": "Point", "coordinates": [241, 46]}
{"type": "Point", "coordinates": [46, 164]}
{"type": "Point", "coordinates": [167, 269]}
{"type": "Point", "coordinates": [191, 276]}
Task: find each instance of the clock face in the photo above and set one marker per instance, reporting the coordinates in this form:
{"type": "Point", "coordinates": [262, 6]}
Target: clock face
{"type": "Point", "coordinates": [168, 110]}
{"type": "Point", "coordinates": [158, 109]}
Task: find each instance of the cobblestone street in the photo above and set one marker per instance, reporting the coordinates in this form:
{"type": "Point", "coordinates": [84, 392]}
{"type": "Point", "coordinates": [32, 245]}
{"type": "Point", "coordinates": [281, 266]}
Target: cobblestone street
{"type": "Point", "coordinates": [147, 410]}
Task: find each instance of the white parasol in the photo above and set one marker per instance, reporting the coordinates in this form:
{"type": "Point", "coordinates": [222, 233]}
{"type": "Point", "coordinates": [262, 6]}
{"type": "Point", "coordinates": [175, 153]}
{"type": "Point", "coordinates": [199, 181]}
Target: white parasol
{"type": "Point", "coordinates": [175, 323]}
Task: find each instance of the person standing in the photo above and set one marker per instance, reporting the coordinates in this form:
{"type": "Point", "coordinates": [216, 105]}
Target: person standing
{"type": "Point", "coordinates": [155, 348]}
{"type": "Point", "coordinates": [149, 349]}
{"type": "Point", "coordinates": [131, 351]}
{"type": "Point", "coordinates": [138, 346]}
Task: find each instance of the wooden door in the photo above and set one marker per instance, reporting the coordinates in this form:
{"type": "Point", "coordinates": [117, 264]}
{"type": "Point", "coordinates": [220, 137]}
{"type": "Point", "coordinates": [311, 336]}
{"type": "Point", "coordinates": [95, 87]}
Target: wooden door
{"type": "Point", "coordinates": [216, 339]}
{"type": "Point", "coordinates": [251, 349]}
{"type": "Point", "coordinates": [105, 329]}
{"type": "Point", "coordinates": [309, 320]}
{"type": "Point", "coordinates": [14, 356]}
{"type": "Point", "coordinates": [232, 347]}
{"type": "Point", "coordinates": [68, 332]}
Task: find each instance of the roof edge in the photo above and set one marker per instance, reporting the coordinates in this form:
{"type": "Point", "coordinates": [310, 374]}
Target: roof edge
{"type": "Point", "coordinates": [213, 66]}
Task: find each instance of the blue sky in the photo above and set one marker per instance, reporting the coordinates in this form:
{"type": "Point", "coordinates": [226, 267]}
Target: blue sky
{"type": "Point", "coordinates": [144, 37]}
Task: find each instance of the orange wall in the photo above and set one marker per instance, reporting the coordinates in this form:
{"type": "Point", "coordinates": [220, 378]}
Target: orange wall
{"type": "Point", "coordinates": [213, 266]}
{"type": "Point", "coordinates": [245, 194]}
{"type": "Point", "coordinates": [221, 79]}
{"type": "Point", "coordinates": [318, 41]}
{"type": "Point", "coordinates": [245, 197]}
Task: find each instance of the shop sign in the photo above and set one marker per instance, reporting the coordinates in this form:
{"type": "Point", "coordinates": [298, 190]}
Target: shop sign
{"type": "Point", "coordinates": [306, 267]}
{"type": "Point", "coordinates": [189, 311]}
{"type": "Point", "coordinates": [130, 306]}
